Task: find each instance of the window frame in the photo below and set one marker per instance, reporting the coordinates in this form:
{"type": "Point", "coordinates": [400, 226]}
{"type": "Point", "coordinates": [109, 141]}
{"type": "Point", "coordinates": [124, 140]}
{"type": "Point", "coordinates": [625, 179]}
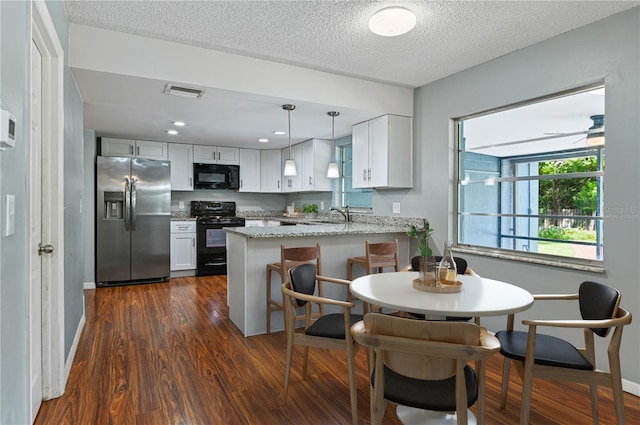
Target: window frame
{"type": "Point", "coordinates": [579, 263]}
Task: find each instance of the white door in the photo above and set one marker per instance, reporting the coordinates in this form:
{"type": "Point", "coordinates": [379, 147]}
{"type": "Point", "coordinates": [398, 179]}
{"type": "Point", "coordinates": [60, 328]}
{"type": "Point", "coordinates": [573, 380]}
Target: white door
{"type": "Point", "coordinates": [35, 264]}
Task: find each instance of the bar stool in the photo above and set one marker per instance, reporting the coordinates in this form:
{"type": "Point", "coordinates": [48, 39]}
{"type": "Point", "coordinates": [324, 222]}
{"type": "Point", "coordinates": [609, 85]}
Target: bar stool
{"type": "Point", "coordinates": [290, 257]}
{"type": "Point", "coordinates": [377, 256]}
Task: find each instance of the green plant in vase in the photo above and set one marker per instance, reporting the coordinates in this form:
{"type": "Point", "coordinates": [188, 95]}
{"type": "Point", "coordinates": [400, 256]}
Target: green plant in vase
{"type": "Point", "coordinates": [427, 263]}
{"type": "Point", "coordinates": [422, 236]}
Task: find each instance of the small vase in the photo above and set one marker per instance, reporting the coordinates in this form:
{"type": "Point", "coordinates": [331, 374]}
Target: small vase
{"type": "Point", "coordinates": [427, 272]}
{"type": "Point", "coordinates": [447, 273]}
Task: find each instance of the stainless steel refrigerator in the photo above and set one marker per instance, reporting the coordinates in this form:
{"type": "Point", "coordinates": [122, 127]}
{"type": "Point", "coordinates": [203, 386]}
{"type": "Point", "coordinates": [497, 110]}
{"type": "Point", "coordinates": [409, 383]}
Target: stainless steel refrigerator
{"type": "Point", "coordinates": [133, 220]}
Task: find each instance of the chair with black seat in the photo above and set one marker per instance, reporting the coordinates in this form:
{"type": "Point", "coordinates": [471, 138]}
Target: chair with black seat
{"type": "Point", "coordinates": [423, 364]}
{"type": "Point", "coordinates": [545, 356]}
{"type": "Point", "coordinates": [326, 331]}
{"type": "Point", "coordinates": [290, 257]}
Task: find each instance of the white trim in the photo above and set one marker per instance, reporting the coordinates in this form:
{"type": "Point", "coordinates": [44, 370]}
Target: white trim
{"type": "Point", "coordinates": [89, 285]}
{"type": "Point", "coordinates": [43, 31]}
{"type": "Point", "coordinates": [74, 348]}
{"type": "Point", "coordinates": [631, 387]}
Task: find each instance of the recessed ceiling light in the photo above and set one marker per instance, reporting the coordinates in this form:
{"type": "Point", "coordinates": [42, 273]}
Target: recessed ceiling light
{"type": "Point", "coordinates": [392, 21]}
{"type": "Point", "coordinates": [263, 140]}
{"type": "Point", "coordinates": [172, 132]}
{"type": "Point", "coordinates": [178, 123]}
{"type": "Point", "coordinates": [279, 133]}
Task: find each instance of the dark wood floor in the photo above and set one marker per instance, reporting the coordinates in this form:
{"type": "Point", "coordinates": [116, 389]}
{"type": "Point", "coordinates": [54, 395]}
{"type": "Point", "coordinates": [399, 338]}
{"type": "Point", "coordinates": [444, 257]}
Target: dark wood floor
{"type": "Point", "coordinates": [168, 354]}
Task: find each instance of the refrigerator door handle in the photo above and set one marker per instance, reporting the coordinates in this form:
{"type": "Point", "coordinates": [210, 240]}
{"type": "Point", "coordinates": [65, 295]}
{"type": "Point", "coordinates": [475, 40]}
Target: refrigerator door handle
{"type": "Point", "coordinates": [133, 204]}
{"type": "Point", "coordinates": [127, 204]}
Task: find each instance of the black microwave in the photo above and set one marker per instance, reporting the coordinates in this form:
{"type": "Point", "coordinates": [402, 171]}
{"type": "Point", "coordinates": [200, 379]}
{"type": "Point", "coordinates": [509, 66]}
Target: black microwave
{"type": "Point", "coordinates": [216, 176]}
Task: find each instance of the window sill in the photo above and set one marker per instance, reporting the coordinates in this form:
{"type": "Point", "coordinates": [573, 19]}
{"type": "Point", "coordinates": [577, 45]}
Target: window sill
{"type": "Point", "coordinates": [532, 260]}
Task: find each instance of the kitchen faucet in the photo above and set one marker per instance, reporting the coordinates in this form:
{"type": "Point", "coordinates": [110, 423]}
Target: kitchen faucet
{"type": "Point", "coordinates": [345, 213]}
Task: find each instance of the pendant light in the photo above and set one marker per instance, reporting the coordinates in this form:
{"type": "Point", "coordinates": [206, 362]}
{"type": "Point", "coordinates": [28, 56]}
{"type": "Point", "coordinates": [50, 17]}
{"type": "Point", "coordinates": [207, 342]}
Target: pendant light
{"type": "Point", "coordinates": [289, 164]}
{"type": "Point", "coordinates": [595, 136]}
{"type": "Point", "coordinates": [333, 172]}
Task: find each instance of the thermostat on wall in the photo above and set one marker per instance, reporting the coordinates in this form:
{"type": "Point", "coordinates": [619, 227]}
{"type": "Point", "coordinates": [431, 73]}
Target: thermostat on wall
{"type": "Point", "coordinates": [7, 129]}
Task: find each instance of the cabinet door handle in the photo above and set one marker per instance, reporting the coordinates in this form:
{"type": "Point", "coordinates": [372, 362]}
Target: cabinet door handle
{"type": "Point", "coordinates": [218, 156]}
{"type": "Point", "coordinates": [364, 174]}
{"type": "Point", "coordinates": [369, 174]}
{"type": "Point", "coordinates": [309, 180]}
{"type": "Point", "coordinates": [190, 181]}
{"type": "Point", "coordinates": [193, 243]}
{"type": "Point", "coordinates": [241, 183]}
{"type": "Point", "coordinates": [131, 150]}
{"type": "Point", "coordinates": [278, 184]}
{"type": "Point", "coordinates": [137, 150]}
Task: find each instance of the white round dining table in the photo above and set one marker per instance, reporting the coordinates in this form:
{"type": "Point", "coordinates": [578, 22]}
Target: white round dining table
{"type": "Point", "coordinates": [478, 296]}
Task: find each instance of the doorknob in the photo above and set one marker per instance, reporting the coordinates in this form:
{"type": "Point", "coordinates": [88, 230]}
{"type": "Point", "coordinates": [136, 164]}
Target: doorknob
{"type": "Point", "coordinates": [47, 249]}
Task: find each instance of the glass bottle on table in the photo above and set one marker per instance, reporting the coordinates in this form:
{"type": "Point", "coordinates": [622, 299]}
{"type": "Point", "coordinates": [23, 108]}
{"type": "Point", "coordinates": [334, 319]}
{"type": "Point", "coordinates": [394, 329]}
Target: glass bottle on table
{"type": "Point", "coordinates": [447, 270]}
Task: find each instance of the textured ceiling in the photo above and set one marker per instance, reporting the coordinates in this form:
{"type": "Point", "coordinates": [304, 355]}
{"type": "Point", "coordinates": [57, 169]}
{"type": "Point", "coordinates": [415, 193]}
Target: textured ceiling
{"type": "Point", "coordinates": [330, 36]}
{"type": "Point", "coordinates": [333, 35]}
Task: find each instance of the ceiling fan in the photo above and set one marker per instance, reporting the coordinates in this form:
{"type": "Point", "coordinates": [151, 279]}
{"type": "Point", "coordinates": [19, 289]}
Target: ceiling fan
{"type": "Point", "coordinates": [594, 135]}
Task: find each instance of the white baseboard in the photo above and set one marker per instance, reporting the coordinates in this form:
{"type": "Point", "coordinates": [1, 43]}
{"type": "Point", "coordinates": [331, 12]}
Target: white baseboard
{"type": "Point", "coordinates": [631, 387]}
{"type": "Point", "coordinates": [89, 285]}
{"type": "Point", "coordinates": [74, 348]}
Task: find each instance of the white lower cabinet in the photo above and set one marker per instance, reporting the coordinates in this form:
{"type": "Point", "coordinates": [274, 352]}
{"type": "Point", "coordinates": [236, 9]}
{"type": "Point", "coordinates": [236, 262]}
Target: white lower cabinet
{"type": "Point", "coordinates": [183, 245]}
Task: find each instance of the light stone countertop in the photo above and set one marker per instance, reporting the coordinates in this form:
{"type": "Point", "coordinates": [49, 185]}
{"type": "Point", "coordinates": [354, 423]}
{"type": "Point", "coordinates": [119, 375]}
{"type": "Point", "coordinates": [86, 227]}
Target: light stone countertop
{"type": "Point", "coordinates": [322, 229]}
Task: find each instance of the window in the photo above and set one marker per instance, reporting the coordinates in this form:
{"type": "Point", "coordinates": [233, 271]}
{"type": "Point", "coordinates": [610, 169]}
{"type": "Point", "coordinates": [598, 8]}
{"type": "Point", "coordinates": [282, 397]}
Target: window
{"type": "Point", "coordinates": [531, 178]}
{"type": "Point", "coordinates": [358, 200]}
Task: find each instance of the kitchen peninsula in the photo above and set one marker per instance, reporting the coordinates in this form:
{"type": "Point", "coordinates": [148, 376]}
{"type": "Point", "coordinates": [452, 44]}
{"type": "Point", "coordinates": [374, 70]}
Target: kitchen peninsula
{"type": "Point", "coordinates": [250, 249]}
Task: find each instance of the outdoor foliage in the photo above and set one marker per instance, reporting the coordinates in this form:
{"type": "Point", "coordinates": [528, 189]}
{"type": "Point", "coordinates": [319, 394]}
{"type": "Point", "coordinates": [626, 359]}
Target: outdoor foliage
{"type": "Point", "coordinates": [566, 234]}
{"type": "Point", "coordinates": [574, 193]}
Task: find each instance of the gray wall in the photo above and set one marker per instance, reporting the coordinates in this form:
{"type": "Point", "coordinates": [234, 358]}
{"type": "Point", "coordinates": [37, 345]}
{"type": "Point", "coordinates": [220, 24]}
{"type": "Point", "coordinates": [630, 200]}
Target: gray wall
{"type": "Point", "coordinates": [609, 50]}
{"type": "Point", "coordinates": [14, 27]}
{"type": "Point", "coordinates": [14, 169]}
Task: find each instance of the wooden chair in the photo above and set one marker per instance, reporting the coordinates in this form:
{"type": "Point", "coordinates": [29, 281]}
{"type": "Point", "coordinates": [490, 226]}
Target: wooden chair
{"type": "Point", "coordinates": [423, 364]}
{"type": "Point", "coordinates": [544, 356]}
{"type": "Point", "coordinates": [326, 331]}
{"type": "Point", "coordinates": [290, 257]}
{"type": "Point", "coordinates": [377, 256]}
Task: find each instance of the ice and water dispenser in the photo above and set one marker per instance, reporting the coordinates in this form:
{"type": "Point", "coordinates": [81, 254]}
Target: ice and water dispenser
{"type": "Point", "coordinates": [113, 206]}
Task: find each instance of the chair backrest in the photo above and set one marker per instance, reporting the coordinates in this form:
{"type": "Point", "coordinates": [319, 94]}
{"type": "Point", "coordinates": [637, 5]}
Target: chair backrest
{"type": "Point", "coordinates": [297, 255]}
{"type": "Point", "coordinates": [408, 343]}
{"type": "Point", "coordinates": [461, 263]}
{"type": "Point", "coordinates": [303, 280]}
{"type": "Point", "coordinates": [382, 248]}
{"type": "Point", "coordinates": [598, 302]}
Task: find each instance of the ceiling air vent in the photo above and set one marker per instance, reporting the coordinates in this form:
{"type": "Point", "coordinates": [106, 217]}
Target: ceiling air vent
{"type": "Point", "coordinates": [189, 92]}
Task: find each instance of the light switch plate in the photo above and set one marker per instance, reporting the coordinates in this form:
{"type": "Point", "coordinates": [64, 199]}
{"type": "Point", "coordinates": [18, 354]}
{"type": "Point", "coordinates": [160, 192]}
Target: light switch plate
{"type": "Point", "coordinates": [10, 216]}
{"type": "Point", "coordinates": [396, 207]}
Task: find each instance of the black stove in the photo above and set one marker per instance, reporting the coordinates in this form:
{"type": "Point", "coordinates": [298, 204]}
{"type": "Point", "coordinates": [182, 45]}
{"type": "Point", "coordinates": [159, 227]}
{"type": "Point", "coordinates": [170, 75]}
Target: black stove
{"type": "Point", "coordinates": [212, 217]}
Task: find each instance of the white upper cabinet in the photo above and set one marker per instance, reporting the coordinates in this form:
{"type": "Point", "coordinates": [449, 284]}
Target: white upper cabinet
{"type": "Point", "coordinates": [216, 155]}
{"type": "Point", "coordinates": [270, 170]}
{"type": "Point", "coordinates": [129, 148]}
{"type": "Point", "coordinates": [181, 157]}
{"type": "Point", "coordinates": [316, 155]}
{"type": "Point", "coordinates": [152, 150]}
{"type": "Point", "coordinates": [383, 153]}
{"type": "Point", "coordinates": [292, 183]}
{"type": "Point", "coordinates": [249, 170]}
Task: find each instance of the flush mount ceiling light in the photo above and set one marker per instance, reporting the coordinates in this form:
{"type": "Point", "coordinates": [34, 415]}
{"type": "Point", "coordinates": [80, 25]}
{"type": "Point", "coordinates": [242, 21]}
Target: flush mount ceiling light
{"type": "Point", "coordinates": [172, 132]}
{"type": "Point", "coordinates": [332, 171]}
{"type": "Point", "coordinates": [178, 123]}
{"type": "Point", "coordinates": [595, 135]}
{"type": "Point", "coordinates": [279, 133]}
{"type": "Point", "coordinates": [289, 164]}
{"type": "Point", "coordinates": [263, 140]}
{"type": "Point", "coordinates": [392, 21]}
